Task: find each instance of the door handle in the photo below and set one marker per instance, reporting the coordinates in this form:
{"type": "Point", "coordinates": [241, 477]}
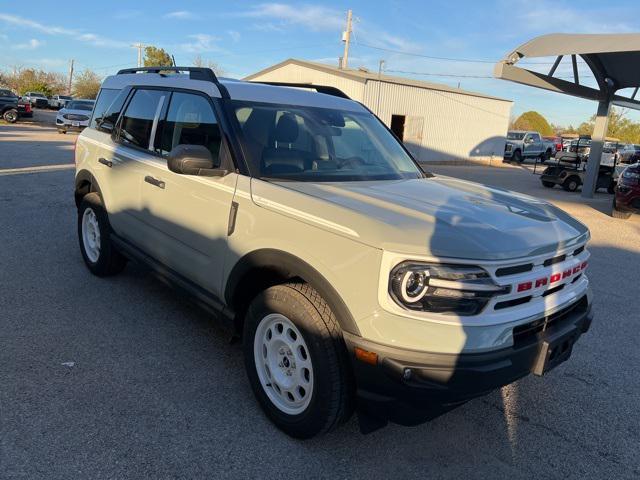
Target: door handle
{"type": "Point", "coordinates": [154, 181]}
{"type": "Point", "coordinates": [106, 162]}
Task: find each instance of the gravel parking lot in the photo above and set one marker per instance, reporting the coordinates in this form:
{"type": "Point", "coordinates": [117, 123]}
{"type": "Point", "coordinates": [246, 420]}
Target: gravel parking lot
{"type": "Point", "coordinates": [123, 378]}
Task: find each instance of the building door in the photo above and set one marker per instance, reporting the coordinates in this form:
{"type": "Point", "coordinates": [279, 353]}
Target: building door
{"type": "Point", "coordinates": [413, 127]}
{"type": "Point", "coordinates": [397, 125]}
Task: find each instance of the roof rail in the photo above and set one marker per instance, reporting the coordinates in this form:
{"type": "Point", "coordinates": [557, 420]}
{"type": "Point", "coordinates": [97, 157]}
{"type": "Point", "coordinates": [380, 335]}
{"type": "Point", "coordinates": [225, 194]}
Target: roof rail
{"type": "Point", "coordinates": [327, 90]}
{"type": "Point", "coordinates": [195, 73]}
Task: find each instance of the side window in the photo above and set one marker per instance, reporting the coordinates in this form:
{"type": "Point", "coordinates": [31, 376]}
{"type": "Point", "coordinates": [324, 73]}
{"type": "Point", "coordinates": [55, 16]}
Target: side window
{"type": "Point", "coordinates": [190, 121]}
{"type": "Point", "coordinates": [138, 119]}
{"type": "Point", "coordinates": [535, 137]}
{"type": "Point", "coordinates": [105, 99]}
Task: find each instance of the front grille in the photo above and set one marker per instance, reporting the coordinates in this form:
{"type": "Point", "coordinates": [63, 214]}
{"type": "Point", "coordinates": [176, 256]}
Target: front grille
{"type": "Point", "coordinates": [501, 272]}
{"type": "Point", "coordinates": [553, 261]}
{"type": "Point", "coordinates": [74, 116]}
{"type": "Point", "coordinates": [523, 333]}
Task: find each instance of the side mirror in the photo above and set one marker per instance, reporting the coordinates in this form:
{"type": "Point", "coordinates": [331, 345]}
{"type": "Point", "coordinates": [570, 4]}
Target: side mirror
{"type": "Point", "coordinates": [193, 160]}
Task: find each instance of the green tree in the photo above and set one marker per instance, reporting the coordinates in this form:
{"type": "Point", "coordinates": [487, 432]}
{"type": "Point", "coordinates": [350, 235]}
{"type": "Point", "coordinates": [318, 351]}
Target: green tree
{"type": "Point", "coordinates": [157, 57]}
{"type": "Point", "coordinates": [86, 85]}
{"type": "Point", "coordinates": [533, 121]}
{"type": "Point", "coordinates": [23, 80]}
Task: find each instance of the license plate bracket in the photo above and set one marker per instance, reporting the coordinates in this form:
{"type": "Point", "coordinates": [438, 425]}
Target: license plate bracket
{"type": "Point", "coordinates": [75, 124]}
{"type": "Point", "coordinates": [554, 350]}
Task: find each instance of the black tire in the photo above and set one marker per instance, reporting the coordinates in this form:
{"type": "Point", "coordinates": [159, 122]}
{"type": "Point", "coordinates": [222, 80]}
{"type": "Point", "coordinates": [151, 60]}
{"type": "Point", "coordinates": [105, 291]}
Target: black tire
{"type": "Point", "coordinates": [615, 213]}
{"type": "Point", "coordinates": [548, 184]}
{"type": "Point", "coordinates": [10, 115]}
{"type": "Point", "coordinates": [109, 261]}
{"type": "Point", "coordinates": [572, 183]}
{"type": "Point", "coordinates": [517, 156]}
{"type": "Point", "coordinates": [331, 402]}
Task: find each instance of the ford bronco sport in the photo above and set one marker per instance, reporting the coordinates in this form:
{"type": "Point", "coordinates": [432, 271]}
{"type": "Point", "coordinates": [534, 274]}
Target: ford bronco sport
{"type": "Point", "coordinates": [354, 278]}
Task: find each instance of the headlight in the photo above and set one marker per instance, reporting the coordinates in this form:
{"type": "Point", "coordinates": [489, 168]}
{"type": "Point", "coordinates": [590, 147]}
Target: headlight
{"type": "Point", "coordinates": [451, 289]}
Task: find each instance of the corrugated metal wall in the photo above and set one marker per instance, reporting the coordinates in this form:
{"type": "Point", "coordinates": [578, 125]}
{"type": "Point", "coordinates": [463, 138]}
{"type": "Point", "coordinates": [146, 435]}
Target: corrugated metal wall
{"type": "Point", "coordinates": [456, 126]}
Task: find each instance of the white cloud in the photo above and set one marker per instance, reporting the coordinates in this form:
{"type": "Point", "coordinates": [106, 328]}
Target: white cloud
{"type": "Point", "coordinates": [201, 42]}
{"type": "Point", "coordinates": [30, 45]}
{"type": "Point", "coordinates": [90, 38]}
{"type": "Point", "coordinates": [234, 34]}
{"type": "Point", "coordinates": [312, 17]}
{"type": "Point", "coordinates": [180, 15]}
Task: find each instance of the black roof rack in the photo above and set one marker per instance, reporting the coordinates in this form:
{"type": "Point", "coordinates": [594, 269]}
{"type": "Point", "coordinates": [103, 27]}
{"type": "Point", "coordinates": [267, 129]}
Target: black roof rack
{"type": "Point", "coordinates": [195, 73]}
{"type": "Point", "coordinates": [336, 92]}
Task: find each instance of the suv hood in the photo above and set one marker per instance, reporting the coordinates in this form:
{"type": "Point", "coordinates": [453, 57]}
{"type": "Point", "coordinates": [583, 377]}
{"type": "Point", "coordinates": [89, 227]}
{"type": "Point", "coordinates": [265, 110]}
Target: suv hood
{"type": "Point", "coordinates": [439, 216]}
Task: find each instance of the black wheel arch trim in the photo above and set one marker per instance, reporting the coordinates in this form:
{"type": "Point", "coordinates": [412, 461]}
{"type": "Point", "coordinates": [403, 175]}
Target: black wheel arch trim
{"type": "Point", "coordinates": [84, 177]}
{"type": "Point", "coordinates": [289, 266]}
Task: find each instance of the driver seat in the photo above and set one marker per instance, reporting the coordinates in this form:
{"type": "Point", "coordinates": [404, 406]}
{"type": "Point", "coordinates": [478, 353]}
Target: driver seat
{"type": "Point", "coordinates": [280, 157]}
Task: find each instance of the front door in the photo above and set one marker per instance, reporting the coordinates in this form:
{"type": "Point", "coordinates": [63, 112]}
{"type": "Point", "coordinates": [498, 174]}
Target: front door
{"type": "Point", "coordinates": [188, 214]}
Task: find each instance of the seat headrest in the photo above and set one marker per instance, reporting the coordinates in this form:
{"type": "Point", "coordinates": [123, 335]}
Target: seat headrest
{"type": "Point", "coordinates": [286, 129]}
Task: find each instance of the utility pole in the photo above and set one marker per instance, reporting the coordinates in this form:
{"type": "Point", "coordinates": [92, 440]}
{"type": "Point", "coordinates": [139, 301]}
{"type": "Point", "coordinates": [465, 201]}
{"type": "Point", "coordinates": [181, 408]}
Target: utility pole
{"type": "Point", "coordinates": [139, 46]}
{"type": "Point", "coordinates": [380, 68]}
{"type": "Point", "coordinates": [346, 38]}
{"type": "Point", "coordinates": [70, 77]}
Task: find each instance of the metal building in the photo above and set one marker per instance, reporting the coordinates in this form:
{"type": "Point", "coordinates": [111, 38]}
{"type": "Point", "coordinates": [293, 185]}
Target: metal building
{"type": "Point", "coordinates": [437, 123]}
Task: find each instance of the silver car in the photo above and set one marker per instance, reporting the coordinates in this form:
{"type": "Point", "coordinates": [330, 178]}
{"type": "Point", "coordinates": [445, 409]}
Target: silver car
{"type": "Point", "coordinates": [74, 116]}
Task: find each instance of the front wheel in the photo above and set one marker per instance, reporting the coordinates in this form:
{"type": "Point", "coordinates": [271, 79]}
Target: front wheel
{"type": "Point", "coordinates": [571, 184]}
{"type": "Point", "coordinates": [10, 116]}
{"type": "Point", "coordinates": [296, 360]}
{"type": "Point", "coordinates": [517, 156]}
{"type": "Point", "coordinates": [100, 256]}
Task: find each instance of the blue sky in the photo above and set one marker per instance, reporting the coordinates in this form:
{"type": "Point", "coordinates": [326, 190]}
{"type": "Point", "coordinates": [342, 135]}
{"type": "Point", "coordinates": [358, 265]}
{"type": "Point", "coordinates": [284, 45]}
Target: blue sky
{"type": "Point", "coordinates": [244, 37]}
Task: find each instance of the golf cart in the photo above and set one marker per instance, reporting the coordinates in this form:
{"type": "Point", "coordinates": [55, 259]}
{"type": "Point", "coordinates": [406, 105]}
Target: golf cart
{"type": "Point", "coordinates": [569, 168]}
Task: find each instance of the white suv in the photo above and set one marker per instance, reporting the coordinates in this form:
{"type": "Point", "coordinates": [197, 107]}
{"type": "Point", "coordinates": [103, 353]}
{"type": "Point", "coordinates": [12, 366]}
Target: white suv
{"type": "Point", "coordinates": [355, 279]}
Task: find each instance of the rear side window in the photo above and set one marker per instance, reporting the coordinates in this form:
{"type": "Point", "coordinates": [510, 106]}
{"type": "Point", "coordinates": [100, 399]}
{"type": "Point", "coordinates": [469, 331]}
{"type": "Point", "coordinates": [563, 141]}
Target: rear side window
{"type": "Point", "coordinates": [190, 121]}
{"type": "Point", "coordinates": [138, 119]}
{"type": "Point", "coordinates": [105, 98]}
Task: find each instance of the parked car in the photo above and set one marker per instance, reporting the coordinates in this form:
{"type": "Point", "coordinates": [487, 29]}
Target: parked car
{"type": "Point", "coordinates": [629, 154]}
{"type": "Point", "coordinates": [59, 101]}
{"type": "Point", "coordinates": [557, 143]}
{"type": "Point", "coordinates": [627, 193]}
{"type": "Point", "coordinates": [24, 109]}
{"type": "Point", "coordinates": [348, 271]}
{"type": "Point", "coordinates": [8, 106]}
{"type": "Point", "coordinates": [74, 116]}
{"type": "Point", "coordinates": [36, 99]}
{"type": "Point", "coordinates": [522, 145]}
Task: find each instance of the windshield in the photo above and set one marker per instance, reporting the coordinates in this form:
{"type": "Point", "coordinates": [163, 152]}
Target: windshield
{"type": "Point", "coordinates": [320, 145]}
{"type": "Point", "coordinates": [515, 135]}
{"type": "Point", "coordinates": [39, 95]}
{"type": "Point", "coordinates": [88, 106]}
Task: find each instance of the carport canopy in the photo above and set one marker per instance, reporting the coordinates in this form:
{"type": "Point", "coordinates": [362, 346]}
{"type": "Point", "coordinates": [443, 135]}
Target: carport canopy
{"type": "Point", "coordinates": [614, 60]}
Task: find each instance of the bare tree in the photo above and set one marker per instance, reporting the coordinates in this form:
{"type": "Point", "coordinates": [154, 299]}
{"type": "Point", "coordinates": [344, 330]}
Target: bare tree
{"type": "Point", "coordinates": [198, 61]}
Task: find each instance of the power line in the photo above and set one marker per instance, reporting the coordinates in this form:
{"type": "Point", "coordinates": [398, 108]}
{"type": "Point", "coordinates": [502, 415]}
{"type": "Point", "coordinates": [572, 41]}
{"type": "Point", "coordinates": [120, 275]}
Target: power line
{"type": "Point", "coordinates": [455, 75]}
{"type": "Point", "coordinates": [448, 59]}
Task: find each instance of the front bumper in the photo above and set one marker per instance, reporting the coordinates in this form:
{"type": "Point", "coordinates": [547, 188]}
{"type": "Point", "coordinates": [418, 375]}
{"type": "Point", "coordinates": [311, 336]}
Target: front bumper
{"type": "Point", "coordinates": [410, 387]}
{"type": "Point", "coordinates": [64, 124]}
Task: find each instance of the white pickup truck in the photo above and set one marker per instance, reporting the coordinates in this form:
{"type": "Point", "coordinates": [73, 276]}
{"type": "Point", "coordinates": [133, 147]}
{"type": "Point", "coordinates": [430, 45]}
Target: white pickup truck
{"type": "Point", "coordinates": [522, 145]}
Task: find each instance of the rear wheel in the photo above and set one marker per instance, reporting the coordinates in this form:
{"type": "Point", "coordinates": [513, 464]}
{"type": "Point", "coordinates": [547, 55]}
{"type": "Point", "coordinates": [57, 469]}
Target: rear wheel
{"type": "Point", "coordinates": [296, 360]}
{"type": "Point", "coordinates": [10, 116]}
{"type": "Point", "coordinates": [571, 184]}
{"type": "Point", "coordinates": [100, 256]}
{"type": "Point", "coordinates": [615, 213]}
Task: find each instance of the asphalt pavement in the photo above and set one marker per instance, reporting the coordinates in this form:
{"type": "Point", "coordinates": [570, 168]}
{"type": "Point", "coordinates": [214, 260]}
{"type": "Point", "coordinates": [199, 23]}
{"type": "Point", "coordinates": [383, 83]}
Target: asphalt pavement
{"type": "Point", "coordinates": [124, 378]}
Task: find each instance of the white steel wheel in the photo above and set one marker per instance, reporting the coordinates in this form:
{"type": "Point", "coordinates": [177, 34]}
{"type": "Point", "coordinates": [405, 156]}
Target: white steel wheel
{"type": "Point", "coordinates": [91, 235]}
{"type": "Point", "coordinates": [283, 364]}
